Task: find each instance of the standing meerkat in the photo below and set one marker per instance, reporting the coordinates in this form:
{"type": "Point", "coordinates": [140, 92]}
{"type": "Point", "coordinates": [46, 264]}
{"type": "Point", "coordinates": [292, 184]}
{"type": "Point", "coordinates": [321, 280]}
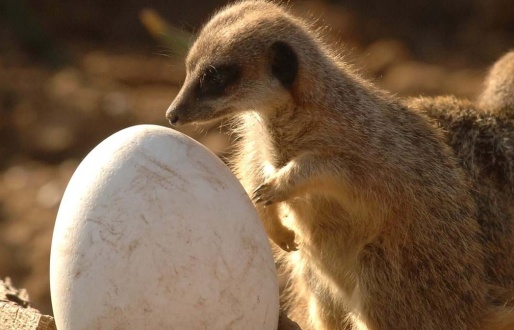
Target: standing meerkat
{"type": "Point", "coordinates": [483, 141]}
{"type": "Point", "coordinates": [375, 219]}
{"type": "Point", "coordinates": [482, 137]}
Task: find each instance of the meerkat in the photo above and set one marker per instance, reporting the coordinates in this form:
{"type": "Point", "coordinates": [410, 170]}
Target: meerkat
{"type": "Point", "coordinates": [374, 217]}
{"type": "Point", "coordinates": [498, 94]}
{"type": "Point", "coordinates": [483, 141]}
{"type": "Point", "coordinates": [482, 137]}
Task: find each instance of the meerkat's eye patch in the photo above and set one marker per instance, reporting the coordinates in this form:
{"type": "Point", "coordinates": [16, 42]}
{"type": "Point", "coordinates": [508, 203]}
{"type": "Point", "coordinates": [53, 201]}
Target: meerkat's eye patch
{"type": "Point", "coordinates": [214, 80]}
{"type": "Point", "coordinates": [284, 63]}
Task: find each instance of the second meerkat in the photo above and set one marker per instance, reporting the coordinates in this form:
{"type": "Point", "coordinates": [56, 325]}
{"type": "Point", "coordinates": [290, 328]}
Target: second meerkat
{"type": "Point", "coordinates": [498, 95]}
{"type": "Point", "coordinates": [373, 213]}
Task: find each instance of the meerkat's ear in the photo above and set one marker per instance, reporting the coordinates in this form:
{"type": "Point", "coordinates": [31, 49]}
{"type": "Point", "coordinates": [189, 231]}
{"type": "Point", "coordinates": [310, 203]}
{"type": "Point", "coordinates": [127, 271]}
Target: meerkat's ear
{"type": "Point", "coordinates": [284, 63]}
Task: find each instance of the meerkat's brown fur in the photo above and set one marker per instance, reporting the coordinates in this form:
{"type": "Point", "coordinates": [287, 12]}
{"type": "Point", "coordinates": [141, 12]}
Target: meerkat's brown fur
{"type": "Point", "coordinates": [377, 221]}
{"type": "Point", "coordinates": [482, 137]}
{"type": "Point", "coordinates": [483, 142]}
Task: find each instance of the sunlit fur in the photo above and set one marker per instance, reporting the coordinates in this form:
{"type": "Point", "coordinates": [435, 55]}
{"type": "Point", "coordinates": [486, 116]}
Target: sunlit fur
{"type": "Point", "coordinates": [498, 94]}
{"type": "Point", "coordinates": [384, 216]}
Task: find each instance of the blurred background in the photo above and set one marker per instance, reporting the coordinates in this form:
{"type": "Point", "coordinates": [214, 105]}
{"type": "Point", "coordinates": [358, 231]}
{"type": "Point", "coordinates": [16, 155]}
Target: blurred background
{"type": "Point", "coordinates": [74, 72]}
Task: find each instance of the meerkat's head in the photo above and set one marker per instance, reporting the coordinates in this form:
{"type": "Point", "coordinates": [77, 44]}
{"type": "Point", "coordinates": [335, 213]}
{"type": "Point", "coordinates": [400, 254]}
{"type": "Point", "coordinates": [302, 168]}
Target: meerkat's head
{"type": "Point", "coordinates": [245, 58]}
{"type": "Point", "coordinates": [498, 94]}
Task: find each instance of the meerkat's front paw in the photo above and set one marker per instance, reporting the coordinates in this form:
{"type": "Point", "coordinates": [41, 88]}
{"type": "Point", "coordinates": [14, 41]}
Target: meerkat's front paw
{"type": "Point", "coordinates": [268, 193]}
{"type": "Point", "coordinates": [285, 238]}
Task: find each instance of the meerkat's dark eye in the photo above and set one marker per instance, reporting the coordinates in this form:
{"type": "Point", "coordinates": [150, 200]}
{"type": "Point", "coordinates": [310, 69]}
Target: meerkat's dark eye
{"type": "Point", "coordinates": [215, 80]}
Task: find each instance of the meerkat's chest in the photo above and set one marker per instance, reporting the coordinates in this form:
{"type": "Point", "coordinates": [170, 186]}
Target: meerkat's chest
{"type": "Point", "coordinates": [328, 254]}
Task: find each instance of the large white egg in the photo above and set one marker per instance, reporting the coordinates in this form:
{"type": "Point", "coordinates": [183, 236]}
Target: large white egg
{"type": "Point", "coordinates": [155, 232]}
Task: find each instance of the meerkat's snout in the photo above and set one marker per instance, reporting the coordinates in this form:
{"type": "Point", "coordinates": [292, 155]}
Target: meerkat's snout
{"type": "Point", "coordinates": [175, 112]}
{"type": "Point", "coordinates": [173, 119]}
{"type": "Point", "coordinates": [172, 116]}
{"type": "Point", "coordinates": [184, 105]}
{"type": "Point", "coordinates": [205, 95]}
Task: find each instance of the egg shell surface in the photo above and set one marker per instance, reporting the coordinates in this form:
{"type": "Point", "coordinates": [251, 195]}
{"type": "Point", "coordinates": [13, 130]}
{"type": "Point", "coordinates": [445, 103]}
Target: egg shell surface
{"type": "Point", "coordinates": [155, 232]}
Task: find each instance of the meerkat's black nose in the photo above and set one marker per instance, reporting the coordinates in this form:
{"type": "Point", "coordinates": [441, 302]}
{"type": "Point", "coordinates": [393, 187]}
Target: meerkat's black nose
{"type": "Point", "coordinates": [177, 113]}
{"type": "Point", "coordinates": [172, 115]}
{"type": "Point", "coordinates": [173, 119]}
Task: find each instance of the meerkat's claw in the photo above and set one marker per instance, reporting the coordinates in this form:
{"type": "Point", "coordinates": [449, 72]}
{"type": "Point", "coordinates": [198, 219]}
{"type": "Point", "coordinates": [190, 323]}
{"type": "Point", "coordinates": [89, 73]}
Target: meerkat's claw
{"type": "Point", "coordinates": [259, 194]}
{"type": "Point", "coordinates": [288, 246]}
{"type": "Point", "coordinates": [268, 193]}
{"type": "Point", "coordinates": [259, 188]}
{"type": "Point", "coordinates": [285, 239]}
{"type": "Point", "coordinates": [291, 248]}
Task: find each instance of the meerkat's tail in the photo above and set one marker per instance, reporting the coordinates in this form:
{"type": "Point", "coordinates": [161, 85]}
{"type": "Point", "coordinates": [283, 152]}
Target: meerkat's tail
{"type": "Point", "coordinates": [498, 94]}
